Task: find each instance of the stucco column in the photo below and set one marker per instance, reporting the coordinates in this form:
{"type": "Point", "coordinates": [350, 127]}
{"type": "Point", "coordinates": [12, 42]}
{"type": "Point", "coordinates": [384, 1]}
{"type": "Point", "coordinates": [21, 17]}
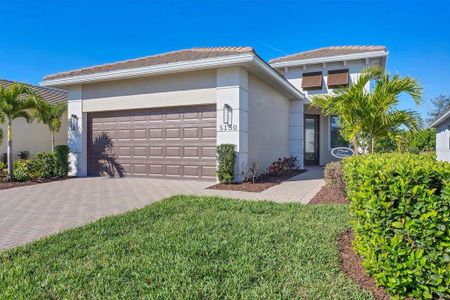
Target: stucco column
{"type": "Point", "coordinates": [76, 134]}
{"type": "Point", "coordinates": [296, 139]}
{"type": "Point", "coordinates": [232, 113]}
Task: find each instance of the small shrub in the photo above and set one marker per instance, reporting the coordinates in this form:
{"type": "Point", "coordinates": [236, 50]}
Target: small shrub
{"type": "Point", "coordinates": [44, 165]}
{"type": "Point", "coordinates": [2, 166]}
{"type": "Point", "coordinates": [61, 160]}
{"type": "Point", "coordinates": [334, 175]}
{"type": "Point", "coordinates": [226, 156]}
{"type": "Point", "coordinates": [251, 173]}
{"type": "Point", "coordinates": [400, 212]}
{"type": "Point", "coordinates": [23, 170]}
{"type": "Point", "coordinates": [24, 155]}
{"type": "Point", "coordinates": [283, 166]}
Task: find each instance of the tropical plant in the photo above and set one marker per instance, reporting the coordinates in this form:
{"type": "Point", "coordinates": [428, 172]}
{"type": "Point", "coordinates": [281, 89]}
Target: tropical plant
{"type": "Point", "coordinates": [364, 115]}
{"type": "Point", "coordinates": [441, 104]}
{"type": "Point", "coordinates": [17, 101]}
{"type": "Point", "coordinates": [50, 115]}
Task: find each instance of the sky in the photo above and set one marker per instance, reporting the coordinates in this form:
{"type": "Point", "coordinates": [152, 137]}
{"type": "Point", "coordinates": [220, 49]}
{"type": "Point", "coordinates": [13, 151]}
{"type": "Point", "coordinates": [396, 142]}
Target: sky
{"type": "Point", "coordinates": [43, 37]}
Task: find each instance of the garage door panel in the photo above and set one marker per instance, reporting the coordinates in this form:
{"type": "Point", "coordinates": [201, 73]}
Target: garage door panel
{"type": "Point", "coordinates": [167, 142]}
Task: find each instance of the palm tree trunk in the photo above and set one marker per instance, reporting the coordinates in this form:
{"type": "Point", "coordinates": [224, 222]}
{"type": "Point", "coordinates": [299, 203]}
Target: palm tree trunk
{"type": "Point", "coordinates": [355, 147]}
{"type": "Point", "coordinates": [372, 144]}
{"type": "Point", "coordinates": [9, 153]}
{"type": "Point", "coordinates": [53, 142]}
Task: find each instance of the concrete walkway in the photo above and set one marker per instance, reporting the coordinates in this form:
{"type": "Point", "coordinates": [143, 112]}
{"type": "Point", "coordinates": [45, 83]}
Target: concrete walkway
{"type": "Point", "coordinates": [31, 212]}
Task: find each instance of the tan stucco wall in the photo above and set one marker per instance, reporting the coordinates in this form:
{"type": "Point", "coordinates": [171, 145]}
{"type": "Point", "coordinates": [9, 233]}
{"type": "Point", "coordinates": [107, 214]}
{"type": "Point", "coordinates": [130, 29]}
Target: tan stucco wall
{"type": "Point", "coordinates": [169, 90]}
{"type": "Point", "coordinates": [268, 127]}
{"type": "Point", "coordinates": [33, 137]}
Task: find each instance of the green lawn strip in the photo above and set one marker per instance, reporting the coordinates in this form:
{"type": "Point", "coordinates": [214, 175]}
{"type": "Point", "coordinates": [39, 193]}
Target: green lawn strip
{"type": "Point", "coordinates": [189, 247]}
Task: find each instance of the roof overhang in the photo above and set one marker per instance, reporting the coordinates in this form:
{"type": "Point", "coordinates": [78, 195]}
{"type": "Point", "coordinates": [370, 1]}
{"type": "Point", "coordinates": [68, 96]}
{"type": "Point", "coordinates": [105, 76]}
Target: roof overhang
{"type": "Point", "coordinates": [248, 61]}
{"type": "Point", "coordinates": [441, 119]}
{"type": "Point", "coordinates": [319, 60]}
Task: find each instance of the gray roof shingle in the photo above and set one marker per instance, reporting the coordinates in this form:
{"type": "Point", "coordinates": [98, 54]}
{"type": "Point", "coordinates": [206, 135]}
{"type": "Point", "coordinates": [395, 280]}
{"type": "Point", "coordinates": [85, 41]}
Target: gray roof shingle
{"type": "Point", "coordinates": [164, 58]}
{"type": "Point", "coordinates": [326, 52]}
{"type": "Point", "coordinates": [51, 95]}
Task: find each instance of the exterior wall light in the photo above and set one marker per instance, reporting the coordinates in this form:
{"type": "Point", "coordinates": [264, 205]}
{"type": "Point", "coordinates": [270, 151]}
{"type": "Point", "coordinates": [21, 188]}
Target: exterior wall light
{"type": "Point", "coordinates": [227, 115]}
{"type": "Point", "coordinates": [73, 122]}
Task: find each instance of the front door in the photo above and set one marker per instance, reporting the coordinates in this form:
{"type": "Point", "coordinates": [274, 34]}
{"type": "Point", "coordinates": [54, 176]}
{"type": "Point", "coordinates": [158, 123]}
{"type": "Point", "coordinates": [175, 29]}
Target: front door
{"type": "Point", "coordinates": [311, 147]}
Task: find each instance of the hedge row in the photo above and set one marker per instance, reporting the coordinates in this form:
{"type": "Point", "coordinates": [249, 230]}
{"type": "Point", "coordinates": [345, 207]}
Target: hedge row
{"type": "Point", "coordinates": [43, 165]}
{"type": "Point", "coordinates": [400, 212]}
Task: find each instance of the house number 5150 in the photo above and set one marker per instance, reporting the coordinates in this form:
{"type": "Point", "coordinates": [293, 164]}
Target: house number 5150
{"type": "Point", "coordinates": [227, 127]}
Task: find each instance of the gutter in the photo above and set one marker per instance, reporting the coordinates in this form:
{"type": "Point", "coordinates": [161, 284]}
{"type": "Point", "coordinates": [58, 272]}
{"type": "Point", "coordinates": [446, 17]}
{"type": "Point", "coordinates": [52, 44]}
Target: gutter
{"type": "Point", "coordinates": [441, 119]}
{"type": "Point", "coordinates": [200, 64]}
{"type": "Point", "coordinates": [319, 60]}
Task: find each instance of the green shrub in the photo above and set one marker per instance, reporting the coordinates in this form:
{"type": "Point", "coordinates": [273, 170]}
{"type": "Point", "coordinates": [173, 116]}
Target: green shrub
{"type": "Point", "coordinates": [61, 160]}
{"type": "Point", "coordinates": [400, 212]}
{"type": "Point", "coordinates": [23, 170]}
{"type": "Point", "coordinates": [334, 175]}
{"type": "Point", "coordinates": [44, 165]}
{"type": "Point", "coordinates": [2, 166]}
{"type": "Point", "coordinates": [226, 156]}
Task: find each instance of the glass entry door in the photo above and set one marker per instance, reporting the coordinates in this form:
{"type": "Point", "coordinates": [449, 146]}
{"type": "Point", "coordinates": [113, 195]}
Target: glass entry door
{"type": "Point", "coordinates": [311, 146]}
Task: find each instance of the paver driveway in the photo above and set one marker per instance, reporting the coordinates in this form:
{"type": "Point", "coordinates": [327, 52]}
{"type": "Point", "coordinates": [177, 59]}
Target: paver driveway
{"type": "Point", "coordinates": [30, 212]}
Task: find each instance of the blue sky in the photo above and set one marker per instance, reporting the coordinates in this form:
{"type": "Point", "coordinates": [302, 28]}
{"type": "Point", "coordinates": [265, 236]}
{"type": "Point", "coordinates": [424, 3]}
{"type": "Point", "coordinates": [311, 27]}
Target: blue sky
{"type": "Point", "coordinates": [43, 37]}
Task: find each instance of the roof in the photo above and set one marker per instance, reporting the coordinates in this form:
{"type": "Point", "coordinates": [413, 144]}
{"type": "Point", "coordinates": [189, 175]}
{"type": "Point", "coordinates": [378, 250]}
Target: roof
{"type": "Point", "coordinates": [441, 119]}
{"type": "Point", "coordinates": [51, 95]}
{"type": "Point", "coordinates": [159, 59]}
{"type": "Point", "coordinates": [328, 52]}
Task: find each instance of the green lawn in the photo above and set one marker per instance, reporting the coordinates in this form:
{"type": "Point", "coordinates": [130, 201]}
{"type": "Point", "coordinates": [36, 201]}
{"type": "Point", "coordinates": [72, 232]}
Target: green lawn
{"type": "Point", "coordinates": [189, 247]}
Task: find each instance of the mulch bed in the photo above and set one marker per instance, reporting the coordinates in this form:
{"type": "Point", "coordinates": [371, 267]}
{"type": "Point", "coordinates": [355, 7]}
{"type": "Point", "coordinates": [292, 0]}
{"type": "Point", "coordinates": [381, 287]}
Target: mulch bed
{"type": "Point", "coordinates": [262, 183]}
{"type": "Point", "coordinates": [329, 195]}
{"type": "Point", "coordinates": [351, 265]}
{"type": "Point", "coordinates": [9, 185]}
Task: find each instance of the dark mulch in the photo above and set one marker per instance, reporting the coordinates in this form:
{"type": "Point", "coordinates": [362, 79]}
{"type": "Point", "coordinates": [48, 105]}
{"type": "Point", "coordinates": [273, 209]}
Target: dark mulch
{"type": "Point", "coordinates": [351, 265]}
{"type": "Point", "coordinates": [329, 195]}
{"type": "Point", "coordinates": [262, 183]}
{"type": "Point", "coordinates": [13, 184]}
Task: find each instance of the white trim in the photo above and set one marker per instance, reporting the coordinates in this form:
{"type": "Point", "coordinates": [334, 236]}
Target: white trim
{"type": "Point", "coordinates": [279, 78]}
{"type": "Point", "coordinates": [152, 70]}
{"type": "Point", "coordinates": [441, 119]}
{"type": "Point", "coordinates": [208, 63]}
{"type": "Point", "coordinates": [318, 60]}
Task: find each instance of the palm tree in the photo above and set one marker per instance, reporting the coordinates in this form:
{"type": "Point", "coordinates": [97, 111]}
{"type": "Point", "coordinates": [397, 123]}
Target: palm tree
{"type": "Point", "coordinates": [51, 115]}
{"type": "Point", "coordinates": [17, 101]}
{"type": "Point", "coordinates": [367, 115]}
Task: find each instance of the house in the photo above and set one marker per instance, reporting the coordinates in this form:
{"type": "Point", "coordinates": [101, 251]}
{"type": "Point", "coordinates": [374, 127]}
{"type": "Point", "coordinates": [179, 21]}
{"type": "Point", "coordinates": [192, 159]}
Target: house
{"type": "Point", "coordinates": [35, 137]}
{"type": "Point", "coordinates": [442, 125]}
{"type": "Point", "coordinates": [164, 115]}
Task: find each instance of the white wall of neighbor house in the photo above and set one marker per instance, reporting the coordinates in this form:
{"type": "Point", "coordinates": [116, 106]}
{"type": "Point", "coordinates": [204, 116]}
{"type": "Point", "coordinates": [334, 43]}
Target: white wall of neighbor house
{"type": "Point", "coordinates": [268, 124]}
{"type": "Point", "coordinates": [233, 90]}
{"type": "Point", "coordinates": [34, 137]}
{"type": "Point", "coordinates": [443, 141]}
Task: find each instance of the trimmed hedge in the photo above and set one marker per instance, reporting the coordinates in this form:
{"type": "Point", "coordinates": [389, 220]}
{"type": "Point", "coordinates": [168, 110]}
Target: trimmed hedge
{"type": "Point", "coordinates": [400, 212]}
{"type": "Point", "coordinates": [226, 156]}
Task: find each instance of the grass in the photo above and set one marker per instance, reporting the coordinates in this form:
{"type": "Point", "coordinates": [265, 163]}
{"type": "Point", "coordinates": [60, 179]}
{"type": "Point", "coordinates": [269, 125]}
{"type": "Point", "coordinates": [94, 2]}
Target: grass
{"type": "Point", "coordinates": [189, 247]}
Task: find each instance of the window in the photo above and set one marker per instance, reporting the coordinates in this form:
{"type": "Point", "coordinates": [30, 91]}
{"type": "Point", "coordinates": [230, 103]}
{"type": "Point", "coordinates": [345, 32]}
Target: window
{"type": "Point", "coordinates": [312, 81]}
{"type": "Point", "coordinates": [337, 78]}
{"type": "Point", "coordinates": [336, 139]}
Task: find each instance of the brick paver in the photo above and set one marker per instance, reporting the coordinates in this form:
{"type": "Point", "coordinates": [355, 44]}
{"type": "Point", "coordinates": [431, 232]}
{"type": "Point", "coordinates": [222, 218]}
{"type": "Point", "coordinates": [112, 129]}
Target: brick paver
{"type": "Point", "coordinates": [31, 212]}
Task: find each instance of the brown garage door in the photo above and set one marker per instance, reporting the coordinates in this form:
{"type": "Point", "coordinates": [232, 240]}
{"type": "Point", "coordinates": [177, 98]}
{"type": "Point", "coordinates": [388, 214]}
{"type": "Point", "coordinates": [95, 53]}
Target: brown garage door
{"type": "Point", "coordinates": [171, 142]}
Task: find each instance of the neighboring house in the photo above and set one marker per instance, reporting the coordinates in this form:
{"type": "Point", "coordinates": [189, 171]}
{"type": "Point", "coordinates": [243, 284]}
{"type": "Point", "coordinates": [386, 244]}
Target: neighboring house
{"type": "Point", "coordinates": [442, 125]}
{"type": "Point", "coordinates": [164, 115]}
{"type": "Point", "coordinates": [35, 137]}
